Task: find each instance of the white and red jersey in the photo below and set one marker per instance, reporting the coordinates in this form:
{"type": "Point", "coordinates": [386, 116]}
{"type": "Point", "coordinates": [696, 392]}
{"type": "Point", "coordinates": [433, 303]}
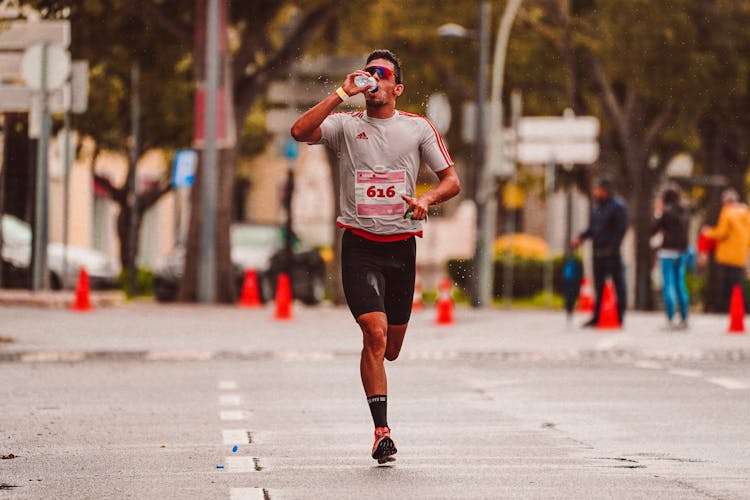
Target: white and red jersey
{"type": "Point", "coordinates": [379, 160]}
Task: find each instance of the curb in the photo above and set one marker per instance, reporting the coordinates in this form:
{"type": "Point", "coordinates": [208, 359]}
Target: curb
{"type": "Point", "coordinates": [58, 299]}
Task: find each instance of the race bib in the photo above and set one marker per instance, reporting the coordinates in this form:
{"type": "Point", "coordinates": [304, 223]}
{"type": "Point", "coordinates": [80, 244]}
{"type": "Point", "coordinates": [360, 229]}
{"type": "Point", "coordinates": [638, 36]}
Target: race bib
{"type": "Point", "coordinates": [378, 194]}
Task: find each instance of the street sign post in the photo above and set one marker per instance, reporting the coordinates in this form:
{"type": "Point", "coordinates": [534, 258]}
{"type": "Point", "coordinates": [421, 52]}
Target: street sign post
{"type": "Point", "coordinates": [35, 76]}
{"type": "Point", "coordinates": [550, 140]}
{"type": "Point", "coordinates": [23, 34]}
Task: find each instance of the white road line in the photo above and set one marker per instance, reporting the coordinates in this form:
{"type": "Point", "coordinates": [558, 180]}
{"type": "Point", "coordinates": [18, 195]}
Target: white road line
{"type": "Point", "coordinates": [235, 436]}
{"type": "Point", "coordinates": [606, 344]}
{"type": "Point", "coordinates": [246, 494]}
{"type": "Point", "coordinates": [230, 399]}
{"type": "Point", "coordinates": [234, 414]}
{"type": "Point", "coordinates": [50, 357]}
{"type": "Point", "coordinates": [240, 464]}
{"type": "Point", "coordinates": [227, 385]}
{"type": "Point", "coordinates": [686, 373]}
{"type": "Point", "coordinates": [179, 355]}
{"type": "Point", "coordinates": [728, 383]}
{"type": "Point", "coordinates": [649, 365]}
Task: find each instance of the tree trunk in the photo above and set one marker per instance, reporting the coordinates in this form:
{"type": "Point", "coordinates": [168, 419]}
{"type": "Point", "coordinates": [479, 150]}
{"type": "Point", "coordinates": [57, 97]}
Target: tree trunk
{"type": "Point", "coordinates": [637, 136]}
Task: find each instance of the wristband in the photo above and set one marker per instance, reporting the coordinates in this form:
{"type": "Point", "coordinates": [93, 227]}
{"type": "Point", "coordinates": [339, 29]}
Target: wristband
{"type": "Point", "coordinates": [342, 94]}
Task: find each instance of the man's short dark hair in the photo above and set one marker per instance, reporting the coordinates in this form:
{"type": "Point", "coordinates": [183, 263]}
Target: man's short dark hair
{"type": "Point", "coordinates": [388, 56]}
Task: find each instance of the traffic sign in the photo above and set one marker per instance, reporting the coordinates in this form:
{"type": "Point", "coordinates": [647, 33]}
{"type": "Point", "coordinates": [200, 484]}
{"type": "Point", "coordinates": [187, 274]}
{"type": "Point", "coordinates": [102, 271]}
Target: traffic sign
{"type": "Point", "coordinates": [20, 35]}
{"type": "Point", "coordinates": [556, 128]}
{"type": "Point", "coordinates": [16, 98]}
{"type": "Point", "coordinates": [563, 139]}
{"type": "Point", "coordinates": [79, 86]}
{"type": "Point", "coordinates": [439, 111]}
{"type": "Point", "coordinates": [54, 64]}
{"type": "Point", "coordinates": [10, 66]}
{"type": "Point", "coordinates": [183, 168]}
{"type": "Point", "coordinates": [558, 152]}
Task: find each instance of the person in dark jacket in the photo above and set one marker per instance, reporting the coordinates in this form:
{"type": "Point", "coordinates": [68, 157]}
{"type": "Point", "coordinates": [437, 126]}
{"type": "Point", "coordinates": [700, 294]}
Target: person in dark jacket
{"type": "Point", "coordinates": [607, 226]}
{"type": "Point", "coordinates": [672, 223]}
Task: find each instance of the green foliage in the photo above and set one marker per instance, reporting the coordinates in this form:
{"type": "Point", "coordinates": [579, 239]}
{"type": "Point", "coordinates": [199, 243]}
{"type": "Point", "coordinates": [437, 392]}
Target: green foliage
{"type": "Point", "coordinates": [528, 276]}
{"type": "Point", "coordinates": [144, 285]}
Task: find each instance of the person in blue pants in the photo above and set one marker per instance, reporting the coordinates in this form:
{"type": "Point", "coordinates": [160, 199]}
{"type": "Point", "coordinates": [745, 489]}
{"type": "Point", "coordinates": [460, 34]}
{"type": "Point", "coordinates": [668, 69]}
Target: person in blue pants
{"type": "Point", "coordinates": [671, 222]}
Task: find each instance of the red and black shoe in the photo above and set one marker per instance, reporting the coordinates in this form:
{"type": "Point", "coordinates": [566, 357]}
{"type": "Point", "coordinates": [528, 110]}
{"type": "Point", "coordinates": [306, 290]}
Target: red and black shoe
{"type": "Point", "coordinates": [384, 448]}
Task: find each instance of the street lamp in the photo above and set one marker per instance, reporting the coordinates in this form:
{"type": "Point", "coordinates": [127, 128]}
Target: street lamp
{"type": "Point", "coordinates": [453, 30]}
{"type": "Point", "coordinates": [485, 186]}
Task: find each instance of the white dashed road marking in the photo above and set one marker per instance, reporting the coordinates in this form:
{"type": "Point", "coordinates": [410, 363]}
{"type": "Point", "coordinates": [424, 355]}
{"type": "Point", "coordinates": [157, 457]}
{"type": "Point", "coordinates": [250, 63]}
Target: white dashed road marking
{"type": "Point", "coordinates": [649, 365]}
{"type": "Point", "coordinates": [686, 373]}
{"type": "Point", "coordinates": [234, 414]}
{"type": "Point", "coordinates": [246, 494]}
{"type": "Point", "coordinates": [728, 383]}
{"type": "Point", "coordinates": [230, 399]}
{"type": "Point", "coordinates": [227, 385]}
{"type": "Point", "coordinates": [235, 436]}
{"type": "Point", "coordinates": [240, 464]}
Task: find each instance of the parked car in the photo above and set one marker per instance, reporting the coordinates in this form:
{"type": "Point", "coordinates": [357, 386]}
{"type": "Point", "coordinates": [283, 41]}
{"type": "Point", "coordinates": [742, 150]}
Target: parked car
{"type": "Point", "coordinates": [16, 256]}
{"type": "Point", "coordinates": [259, 247]}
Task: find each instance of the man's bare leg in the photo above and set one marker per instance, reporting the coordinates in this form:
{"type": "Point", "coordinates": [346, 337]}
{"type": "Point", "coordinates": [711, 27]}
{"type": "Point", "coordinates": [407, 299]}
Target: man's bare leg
{"type": "Point", "coordinates": [380, 342]}
{"type": "Point", "coordinates": [374, 327]}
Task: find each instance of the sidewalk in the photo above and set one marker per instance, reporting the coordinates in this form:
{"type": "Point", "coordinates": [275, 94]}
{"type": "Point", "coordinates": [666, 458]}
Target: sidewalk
{"type": "Point", "coordinates": [181, 332]}
{"type": "Point", "coordinates": [57, 299]}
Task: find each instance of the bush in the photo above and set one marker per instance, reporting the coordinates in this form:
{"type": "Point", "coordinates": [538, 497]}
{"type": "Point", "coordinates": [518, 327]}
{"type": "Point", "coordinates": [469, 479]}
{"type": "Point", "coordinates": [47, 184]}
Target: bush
{"type": "Point", "coordinates": [144, 282]}
{"type": "Point", "coordinates": [528, 275]}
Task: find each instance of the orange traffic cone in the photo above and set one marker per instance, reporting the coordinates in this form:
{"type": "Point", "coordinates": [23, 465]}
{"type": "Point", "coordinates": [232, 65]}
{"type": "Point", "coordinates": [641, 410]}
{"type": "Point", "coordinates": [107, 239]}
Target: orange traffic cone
{"type": "Point", "coordinates": [82, 302]}
{"type": "Point", "coordinates": [283, 298]}
{"type": "Point", "coordinates": [608, 318]}
{"type": "Point", "coordinates": [417, 304]}
{"type": "Point", "coordinates": [737, 311]}
{"type": "Point", "coordinates": [586, 296]}
{"type": "Point", "coordinates": [444, 303]}
{"type": "Point", "coordinates": [250, 297]}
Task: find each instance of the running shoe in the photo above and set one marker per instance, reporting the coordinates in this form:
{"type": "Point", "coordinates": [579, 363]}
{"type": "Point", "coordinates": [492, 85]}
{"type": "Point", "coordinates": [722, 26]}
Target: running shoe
{"type": "Point", "coordinates": [384, 448]}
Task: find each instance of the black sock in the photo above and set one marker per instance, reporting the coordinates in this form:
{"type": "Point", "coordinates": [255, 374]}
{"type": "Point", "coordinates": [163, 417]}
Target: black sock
{"type": "Point", "coordinates": [379, 410]}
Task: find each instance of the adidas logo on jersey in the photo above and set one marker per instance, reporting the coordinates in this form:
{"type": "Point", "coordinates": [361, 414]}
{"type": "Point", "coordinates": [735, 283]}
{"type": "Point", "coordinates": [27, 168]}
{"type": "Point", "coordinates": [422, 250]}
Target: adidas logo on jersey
{"type": "Point", "coordinates": [361, 135]}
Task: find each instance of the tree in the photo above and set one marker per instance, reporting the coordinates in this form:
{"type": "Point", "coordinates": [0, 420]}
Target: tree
{"type": "Point", "coordinates": [113, 36]}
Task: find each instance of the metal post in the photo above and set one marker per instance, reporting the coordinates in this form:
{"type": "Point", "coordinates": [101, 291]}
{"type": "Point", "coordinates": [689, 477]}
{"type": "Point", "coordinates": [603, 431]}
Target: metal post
{"type": "Point", "coordinates": [135, 115]}
{"type": "Point", "coordinates": [66, 191]}
{"type": "Point", "coordinates": [549, 189]}
{"type": "Point", "coordinates": [487, 196]}
{"type": "Point", "coordinates": [510, 224]}
{"type": "Point", "coordinates": [209, 165]}
{"type": "Point", "coordinates": [481, 294]}
{"type": "Point", "coordinates": [39, 278]}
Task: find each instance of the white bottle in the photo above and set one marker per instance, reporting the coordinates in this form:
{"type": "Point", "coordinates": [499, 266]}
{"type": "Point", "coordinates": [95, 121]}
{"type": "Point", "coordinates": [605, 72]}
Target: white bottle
{"type": "Point", "coordinates": [363, 80]}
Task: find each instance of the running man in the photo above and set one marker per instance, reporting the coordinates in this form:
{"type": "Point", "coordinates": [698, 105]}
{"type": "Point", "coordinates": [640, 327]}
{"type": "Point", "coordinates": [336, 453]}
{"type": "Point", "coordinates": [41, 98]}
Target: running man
{"type": "Point", "coordinates": [379, 152]}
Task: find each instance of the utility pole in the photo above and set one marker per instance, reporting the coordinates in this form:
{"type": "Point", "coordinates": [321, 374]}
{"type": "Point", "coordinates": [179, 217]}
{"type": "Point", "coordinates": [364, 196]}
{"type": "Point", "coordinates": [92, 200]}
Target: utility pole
{"type": "Point", "coordinates": [209, 163]}
{"type": "Point", "coordinates": [135, 118]}
{"type": "Point", "coordinates": [487, 194]}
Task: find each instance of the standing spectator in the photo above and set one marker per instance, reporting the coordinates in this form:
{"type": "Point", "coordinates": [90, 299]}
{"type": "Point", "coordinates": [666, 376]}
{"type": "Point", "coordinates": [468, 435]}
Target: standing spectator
{"type": "Point", "coordinates": [672, 223]}
{"type": "Point", "coordinates": [609, 221]}
{"type": "Point", "coordinates": [732, 235]}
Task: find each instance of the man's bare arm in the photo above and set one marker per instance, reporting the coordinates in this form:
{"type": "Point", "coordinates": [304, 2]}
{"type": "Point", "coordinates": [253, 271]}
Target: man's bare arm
{"type": "Point", "coordinates": [307, 126]}
{"type": "Point", "coordinates": [448, 187]}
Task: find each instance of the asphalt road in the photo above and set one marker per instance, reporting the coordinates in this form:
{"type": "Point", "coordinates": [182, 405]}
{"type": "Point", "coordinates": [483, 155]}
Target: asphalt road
{"type": "Point", "coordinates": [149, 402]}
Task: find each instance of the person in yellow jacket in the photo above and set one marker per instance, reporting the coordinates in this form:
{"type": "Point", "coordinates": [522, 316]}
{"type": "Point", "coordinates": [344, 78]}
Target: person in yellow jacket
{"type": "Point", "coordinates": [732, 235]}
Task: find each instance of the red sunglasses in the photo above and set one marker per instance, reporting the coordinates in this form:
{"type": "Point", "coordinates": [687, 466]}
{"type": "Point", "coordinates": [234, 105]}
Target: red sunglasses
{"type": "Point", "coordinates": [382, 71]}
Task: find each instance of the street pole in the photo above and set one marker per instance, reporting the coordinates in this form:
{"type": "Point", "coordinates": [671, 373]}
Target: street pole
{"type": "Point", "coordinates": [135, 111]}
{"type": "Point", "coordinates": [487, 195]}
{"type": "Point", "coordinates": [209, 164]}
{"type": "Point", "coordinates": [39, 280]}
{"type": "Point", "coordinates": [482, 276]}
{"type": "Point", "coordinates": [66, 190]}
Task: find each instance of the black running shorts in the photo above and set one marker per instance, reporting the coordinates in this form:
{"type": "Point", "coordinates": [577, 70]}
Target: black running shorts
{"type": "Point", "coordinates": [378, 276]}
